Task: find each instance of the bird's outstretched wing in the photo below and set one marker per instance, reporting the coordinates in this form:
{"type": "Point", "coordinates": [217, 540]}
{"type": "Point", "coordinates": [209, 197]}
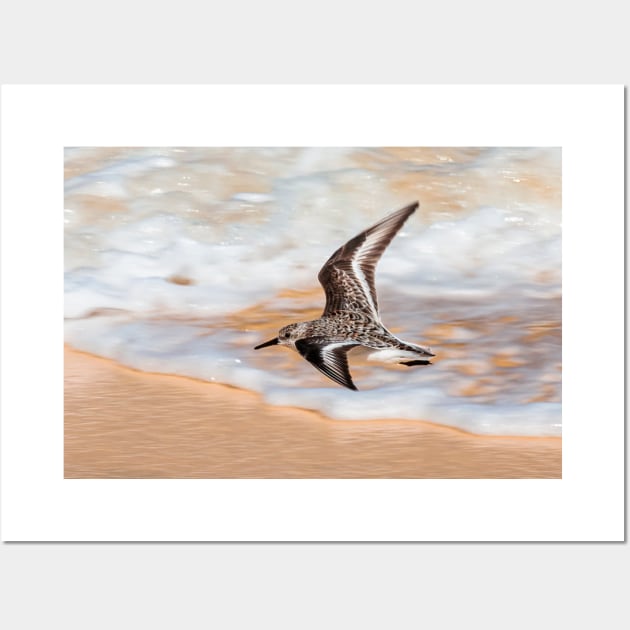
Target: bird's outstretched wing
{"type": "Point", "coordinates": [330, 358]}
{"type": "Point", "coordinates": [348, 275]}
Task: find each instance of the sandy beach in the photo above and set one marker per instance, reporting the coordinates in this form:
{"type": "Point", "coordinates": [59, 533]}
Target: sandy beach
{"type": "Point", "coordinates": [121, 423]}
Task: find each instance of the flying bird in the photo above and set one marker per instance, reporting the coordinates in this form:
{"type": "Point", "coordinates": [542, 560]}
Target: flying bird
{"type": "Point", "coordinates": [350, 318]}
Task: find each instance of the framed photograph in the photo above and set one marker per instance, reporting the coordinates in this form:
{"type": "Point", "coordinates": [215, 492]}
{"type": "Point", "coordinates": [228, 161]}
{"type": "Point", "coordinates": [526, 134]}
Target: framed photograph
{"type": "Point", "coordinates": [312, 313]}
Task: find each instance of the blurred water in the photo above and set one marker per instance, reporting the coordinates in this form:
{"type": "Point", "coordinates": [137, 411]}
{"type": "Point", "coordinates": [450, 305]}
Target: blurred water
{"type": "Point", "coordinates": [181, 260]}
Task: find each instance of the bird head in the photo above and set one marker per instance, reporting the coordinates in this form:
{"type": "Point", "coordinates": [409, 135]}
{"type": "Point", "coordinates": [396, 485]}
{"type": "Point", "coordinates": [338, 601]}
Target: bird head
{"type": "Point", "coordinates": [287, 336]}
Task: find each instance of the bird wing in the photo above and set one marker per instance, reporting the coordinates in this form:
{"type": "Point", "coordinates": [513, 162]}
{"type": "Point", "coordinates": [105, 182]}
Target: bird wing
{"type": "Point", "coordinates": [329, 358]}
{"type": "Point", "coordinates": [348, 275]}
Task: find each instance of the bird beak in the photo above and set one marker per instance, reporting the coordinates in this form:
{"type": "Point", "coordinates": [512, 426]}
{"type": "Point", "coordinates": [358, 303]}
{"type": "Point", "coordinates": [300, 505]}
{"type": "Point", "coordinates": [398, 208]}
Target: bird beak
{"type": "Point", "coordinates": [271, 342]}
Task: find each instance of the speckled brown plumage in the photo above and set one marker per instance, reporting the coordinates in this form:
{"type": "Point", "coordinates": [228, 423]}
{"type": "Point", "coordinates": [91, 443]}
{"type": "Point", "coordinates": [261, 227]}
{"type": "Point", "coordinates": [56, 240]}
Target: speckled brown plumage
{"type": "Point", "coordinates": [351, 317]}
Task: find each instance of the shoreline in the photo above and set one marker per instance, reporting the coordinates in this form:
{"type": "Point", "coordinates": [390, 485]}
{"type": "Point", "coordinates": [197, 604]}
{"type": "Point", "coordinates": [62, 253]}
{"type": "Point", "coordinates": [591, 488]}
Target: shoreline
{"type": "Point", "coordinates": [123, 423]}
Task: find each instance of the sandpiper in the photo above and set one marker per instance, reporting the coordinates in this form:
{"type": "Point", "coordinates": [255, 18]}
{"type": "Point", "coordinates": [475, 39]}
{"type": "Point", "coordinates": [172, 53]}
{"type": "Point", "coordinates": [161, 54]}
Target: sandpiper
{"type": "Point", "coordinates": [351, 317]}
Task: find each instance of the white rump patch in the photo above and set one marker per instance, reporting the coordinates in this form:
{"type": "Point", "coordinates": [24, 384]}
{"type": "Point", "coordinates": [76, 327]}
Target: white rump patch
{"type": "Point", "coordinates": [393, 355]}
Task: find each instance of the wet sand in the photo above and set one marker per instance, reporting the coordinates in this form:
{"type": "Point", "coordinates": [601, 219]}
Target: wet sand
{"type": "Point", "coordinates": [120, 423]}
